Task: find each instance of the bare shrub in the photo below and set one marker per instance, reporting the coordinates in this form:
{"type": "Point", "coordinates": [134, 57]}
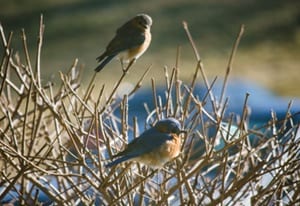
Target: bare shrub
{"type": "Point", "coordinates": [54, 142]}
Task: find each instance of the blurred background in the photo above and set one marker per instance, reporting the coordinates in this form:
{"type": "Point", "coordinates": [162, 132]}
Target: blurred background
{"type": "Point", "coordinates": [268, 54]}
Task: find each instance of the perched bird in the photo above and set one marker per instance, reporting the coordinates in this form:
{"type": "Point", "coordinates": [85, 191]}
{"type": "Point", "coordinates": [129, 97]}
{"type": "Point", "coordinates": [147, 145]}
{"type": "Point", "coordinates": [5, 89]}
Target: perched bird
{"type": "Point", "coordinates": [130, 42]}
{"type": "Point", "coordinates": [154, 147]}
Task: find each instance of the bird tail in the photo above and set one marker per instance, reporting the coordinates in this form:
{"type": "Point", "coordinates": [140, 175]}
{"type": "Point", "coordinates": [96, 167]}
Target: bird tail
{"type": "Point", "coordinates": [117, 161]}
{"type": "Point", "coordinates": [103, 61]}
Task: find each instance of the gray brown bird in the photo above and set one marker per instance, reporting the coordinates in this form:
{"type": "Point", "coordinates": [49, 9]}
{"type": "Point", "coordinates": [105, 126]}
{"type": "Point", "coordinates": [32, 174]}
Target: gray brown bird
{"type": "Point", "coordinates": [130, 42]}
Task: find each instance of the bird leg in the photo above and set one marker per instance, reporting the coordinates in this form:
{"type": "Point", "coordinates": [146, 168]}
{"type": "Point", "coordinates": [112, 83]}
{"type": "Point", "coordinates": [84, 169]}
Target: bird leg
{"type": "Point", "coordinates": [122, 64]}
{"type": "Point", "coordinates": [125, 70]}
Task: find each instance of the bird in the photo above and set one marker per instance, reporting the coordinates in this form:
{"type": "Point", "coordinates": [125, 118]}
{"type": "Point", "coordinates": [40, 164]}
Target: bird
{"type": "Point", "coordinates": [155, 146]}
{"type": "Point", "coordinates": [130, 41]}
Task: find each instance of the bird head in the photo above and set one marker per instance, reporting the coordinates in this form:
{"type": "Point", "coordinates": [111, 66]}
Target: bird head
{"type": "Point", "coordinates": [143, 20]}
{"type": "Point", "coordinates": [169, 125]}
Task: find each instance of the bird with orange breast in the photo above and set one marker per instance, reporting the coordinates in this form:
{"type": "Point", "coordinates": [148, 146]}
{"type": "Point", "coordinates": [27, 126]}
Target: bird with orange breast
{"type": "Point", "coordinates": [155, 146]}
{"type": "Point", "coordinates": [130, 42]}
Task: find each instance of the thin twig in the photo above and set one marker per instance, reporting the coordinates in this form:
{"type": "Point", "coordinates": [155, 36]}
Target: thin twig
{"type": "Point", "coordinates": [230, 62]}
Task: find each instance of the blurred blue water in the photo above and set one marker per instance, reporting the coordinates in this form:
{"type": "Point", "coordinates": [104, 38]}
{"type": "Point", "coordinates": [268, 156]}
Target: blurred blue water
{"type": "Point", "coordinates": [261, 101]}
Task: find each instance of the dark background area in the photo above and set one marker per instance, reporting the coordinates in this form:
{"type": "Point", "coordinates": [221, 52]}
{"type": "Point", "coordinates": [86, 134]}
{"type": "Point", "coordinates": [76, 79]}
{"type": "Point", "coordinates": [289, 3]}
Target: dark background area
{"type": "Point", "coordinates": [268, 54]}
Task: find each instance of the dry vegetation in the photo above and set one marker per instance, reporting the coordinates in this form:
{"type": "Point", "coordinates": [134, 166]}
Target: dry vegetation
{"type": "Point", "coordinates": [54, 143]}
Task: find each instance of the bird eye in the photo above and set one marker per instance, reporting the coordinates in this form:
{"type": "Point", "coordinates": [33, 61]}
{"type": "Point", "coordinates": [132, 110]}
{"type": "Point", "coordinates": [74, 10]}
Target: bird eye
{"type": "Point", "coordinates": [141, 22]}
{"type": "Point", "coordinates": [175, 130]}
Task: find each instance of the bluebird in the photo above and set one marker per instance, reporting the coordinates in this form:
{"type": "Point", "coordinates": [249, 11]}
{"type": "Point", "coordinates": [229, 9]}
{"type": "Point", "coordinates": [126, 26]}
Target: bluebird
{"type": "Point", "coordinates": [155, 146]}
{"type": "Point", "coordinates": [130, 42]}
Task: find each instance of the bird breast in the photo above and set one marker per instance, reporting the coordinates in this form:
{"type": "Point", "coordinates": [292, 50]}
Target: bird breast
{"type": "Point", "coordinates": [136, 52]}
{"type": "Point", "coordinates": [157, 158]}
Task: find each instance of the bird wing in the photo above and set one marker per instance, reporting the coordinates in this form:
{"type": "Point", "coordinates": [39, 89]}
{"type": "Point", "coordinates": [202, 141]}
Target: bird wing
{"type": "Point", "coordinates": [125, 40]}
{"type": "Point", "coordinates": [145, 143]}
{"type": "Point", "coordinates": [117, 161]}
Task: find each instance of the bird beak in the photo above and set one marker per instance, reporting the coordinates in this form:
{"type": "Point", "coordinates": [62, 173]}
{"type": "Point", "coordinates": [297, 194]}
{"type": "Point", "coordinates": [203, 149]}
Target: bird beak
{"type": "Point", "coordinates": [145, 26]}
{"type": "Point", "coordinates": [183, 131]}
